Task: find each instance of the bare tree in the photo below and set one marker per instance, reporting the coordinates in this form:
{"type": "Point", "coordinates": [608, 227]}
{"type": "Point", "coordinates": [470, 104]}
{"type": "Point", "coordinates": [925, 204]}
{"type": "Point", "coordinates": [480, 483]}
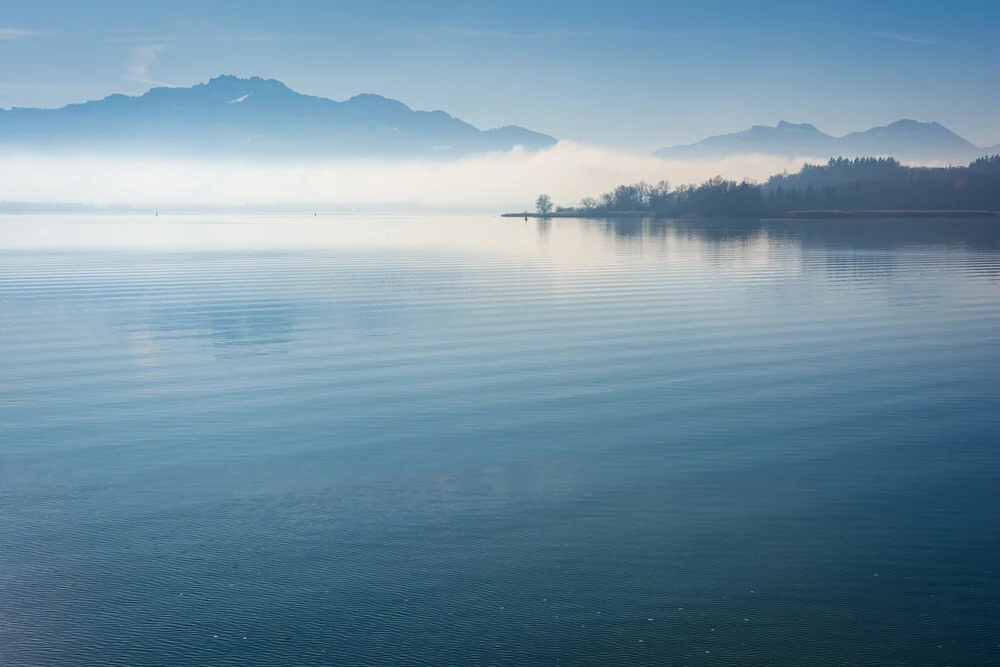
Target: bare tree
{"type": "Point", "coordinates": [543, 204]}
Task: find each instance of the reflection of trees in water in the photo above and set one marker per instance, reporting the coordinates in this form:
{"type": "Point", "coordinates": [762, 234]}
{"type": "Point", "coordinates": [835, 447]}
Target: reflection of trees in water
{"type": "Point", "coordinates": [881, 234]}
{"type": "Point", "coordinates": [977, 235]}
{"type": "Point", "coordinates": [864, 267]}
{"type": "Point", "coordinates": [635, 228]}
{"type": "Point", "coordinates": [871, 249]}
{"type": "Point", "coordinates": [627, 228]}
{"type": "Point", "coordinates": [544, 228]}
{"type": "Point", "coordinates": [659, 232]}
{"type": "Point", "coordinates": [866, 249]}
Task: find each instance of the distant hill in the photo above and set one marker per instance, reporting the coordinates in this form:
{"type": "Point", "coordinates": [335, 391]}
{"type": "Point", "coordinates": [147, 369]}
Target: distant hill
{"type": "Point", "coordinates": [906, 140]}
{"type": "Point", "coordinates": [245, 117]}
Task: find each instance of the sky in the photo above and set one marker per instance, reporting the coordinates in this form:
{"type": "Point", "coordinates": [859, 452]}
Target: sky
{"type": "Point", "coordinates": [628, 75]}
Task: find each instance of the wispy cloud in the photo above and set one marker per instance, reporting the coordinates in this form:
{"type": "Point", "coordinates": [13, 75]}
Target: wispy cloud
{"type": "Point", "coordinates": [903, 38]}
{"type": "Point", "coordinates": [469, 32]}
{"type": "Point", "coordinates": [836, 29]}
{"type": "Point", "coordinates": [18, 33]}
{"type": "Point", "coordinates": [140, 60]}
{"type": "Point", "coordinates": [555, 33]}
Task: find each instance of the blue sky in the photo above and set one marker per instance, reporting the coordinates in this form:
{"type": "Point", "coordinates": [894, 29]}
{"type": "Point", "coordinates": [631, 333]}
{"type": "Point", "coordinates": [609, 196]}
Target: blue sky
{"type": "Point", "coordinates": [636, 75]}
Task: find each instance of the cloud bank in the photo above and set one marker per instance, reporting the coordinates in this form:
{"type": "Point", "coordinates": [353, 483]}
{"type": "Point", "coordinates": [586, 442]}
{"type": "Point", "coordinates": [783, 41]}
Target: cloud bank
{"type": "Point", "coordinates": [568, 172]}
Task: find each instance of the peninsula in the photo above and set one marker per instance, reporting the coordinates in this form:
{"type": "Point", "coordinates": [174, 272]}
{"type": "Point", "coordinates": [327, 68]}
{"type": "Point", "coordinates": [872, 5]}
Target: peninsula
{"type": "Point", "coordinates": [841, 188]}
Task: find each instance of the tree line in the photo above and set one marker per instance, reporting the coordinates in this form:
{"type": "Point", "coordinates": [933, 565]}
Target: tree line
{"type": "Point", "coordinates": [862, 184]}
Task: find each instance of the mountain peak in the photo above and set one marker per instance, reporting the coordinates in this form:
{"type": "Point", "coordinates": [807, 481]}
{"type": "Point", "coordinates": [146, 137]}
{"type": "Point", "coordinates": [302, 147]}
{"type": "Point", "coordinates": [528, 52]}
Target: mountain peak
{"type": "Point", "coordinates": [258, 84]}
{"type": "Point", "coordinates": [229, 79]}
{"type": "Point", "coordinates": [805, 127]}
{"type": "Point", "coordinates": [222, 79]}
{"type": "Point", "coordinates": [380, 103]}
{"type": "Point", "coordinates": [911, 125]}
{"type": "Point", "coordinates": [908, 122]}
{"type": "Point", "coordinates": [909, 139]}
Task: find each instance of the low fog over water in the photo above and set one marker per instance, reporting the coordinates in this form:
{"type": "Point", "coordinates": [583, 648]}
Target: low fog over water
{"type": "Point", "coordinates": [568, 171]}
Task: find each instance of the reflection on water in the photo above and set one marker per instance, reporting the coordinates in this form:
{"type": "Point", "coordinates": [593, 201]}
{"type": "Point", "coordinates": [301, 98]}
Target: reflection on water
{"type": "Point", "coordinates": [544, 228]}
{"type": "Point", "coordinates": [858, 249]}
{"type": "Point", "coordinates": [484, 441]}
{"type": "Point", "coordinates": [881, 234]}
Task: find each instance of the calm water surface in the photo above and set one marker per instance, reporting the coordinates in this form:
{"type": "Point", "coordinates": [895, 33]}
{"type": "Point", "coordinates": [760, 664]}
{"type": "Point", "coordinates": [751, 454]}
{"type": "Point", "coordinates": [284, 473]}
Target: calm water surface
{"type": "Point", "coordinates": [464, 441]}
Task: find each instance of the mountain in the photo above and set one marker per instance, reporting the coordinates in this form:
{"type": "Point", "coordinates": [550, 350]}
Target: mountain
{"type": "Point", "coordinates": [230, 116]}
{"type": "Point", "coordinates": [911, 141]}
{"type": "Point", "coordinates": [783, 139]}
{"type": "Point", "coordinates": [906, 140]}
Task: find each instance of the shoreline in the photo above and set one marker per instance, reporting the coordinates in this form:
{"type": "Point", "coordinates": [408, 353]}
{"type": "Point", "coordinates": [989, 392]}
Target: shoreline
{"type": "Point", "coordinates": [790, 215]}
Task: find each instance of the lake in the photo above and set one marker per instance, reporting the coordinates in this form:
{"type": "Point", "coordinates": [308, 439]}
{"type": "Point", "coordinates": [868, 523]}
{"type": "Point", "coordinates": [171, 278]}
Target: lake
{"type": "Point", "coordinates": [265, 440]}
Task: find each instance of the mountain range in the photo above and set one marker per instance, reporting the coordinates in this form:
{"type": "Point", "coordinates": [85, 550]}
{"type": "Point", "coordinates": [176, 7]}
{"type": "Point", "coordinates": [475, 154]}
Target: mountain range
{"type": "Point", "coordinates": [233, 117]}
{"type": "Point", "coordinates": [905, 140]}
{"type": "Point", "coordinates": [246, 117]}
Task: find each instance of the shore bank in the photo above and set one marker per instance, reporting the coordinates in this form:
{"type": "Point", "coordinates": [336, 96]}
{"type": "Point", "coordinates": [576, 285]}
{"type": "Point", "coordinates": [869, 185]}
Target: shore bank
{"type": "Point", "coordinates": [790, 215]}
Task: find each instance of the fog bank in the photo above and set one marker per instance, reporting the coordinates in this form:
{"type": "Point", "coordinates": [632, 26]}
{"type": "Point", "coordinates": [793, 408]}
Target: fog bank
{"type": "Point", "coordinates": [511, 180]}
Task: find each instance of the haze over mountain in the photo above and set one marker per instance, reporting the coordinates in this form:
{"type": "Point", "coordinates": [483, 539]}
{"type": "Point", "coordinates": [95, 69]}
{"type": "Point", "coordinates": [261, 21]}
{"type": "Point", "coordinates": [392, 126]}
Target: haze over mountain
{"type": "Point", "coordinates": [230, 116]}
{"type": "Point", "coordinates": [906, 140]}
